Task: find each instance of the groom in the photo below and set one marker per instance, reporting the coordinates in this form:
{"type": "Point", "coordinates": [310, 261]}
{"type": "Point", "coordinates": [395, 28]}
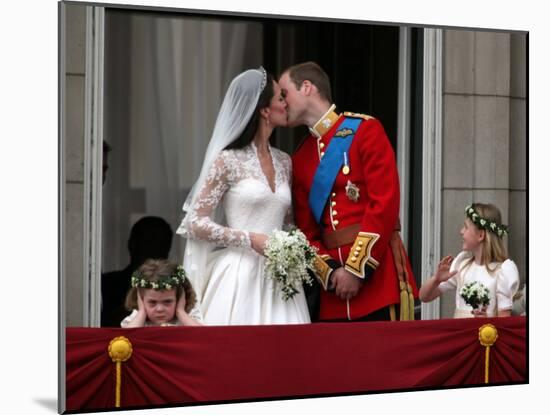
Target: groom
{"type": "Point", "coordinates": [346, 200]}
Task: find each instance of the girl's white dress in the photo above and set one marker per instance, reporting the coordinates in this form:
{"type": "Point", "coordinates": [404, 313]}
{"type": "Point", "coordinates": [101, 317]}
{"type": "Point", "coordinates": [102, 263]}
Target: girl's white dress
{"type": "Point", "coordinates": [230, 284]}
{"type": "Point", "coordinates": [194, 314]}
{"type": "Point", "coordinates": [502, 284]}
{"type": "Point", "coordinates": [128, 319]}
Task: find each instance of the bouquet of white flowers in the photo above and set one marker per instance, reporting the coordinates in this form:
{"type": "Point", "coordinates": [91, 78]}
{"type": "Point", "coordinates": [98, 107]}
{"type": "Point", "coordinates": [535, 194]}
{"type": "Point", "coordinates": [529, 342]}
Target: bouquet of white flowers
{"type": "Point", "coordinates": [288, 256]}
{"type": "Point", "coordinates": [475, 294]}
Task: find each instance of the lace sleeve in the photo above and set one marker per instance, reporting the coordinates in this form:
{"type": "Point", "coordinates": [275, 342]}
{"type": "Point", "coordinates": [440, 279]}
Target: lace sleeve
{"type": "Point", "coordinates": [199, 224]}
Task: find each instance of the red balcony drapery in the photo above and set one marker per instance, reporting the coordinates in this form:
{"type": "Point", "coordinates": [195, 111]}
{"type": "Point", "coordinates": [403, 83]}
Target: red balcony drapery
{"type": "Point", "coordinates": [179, 365]}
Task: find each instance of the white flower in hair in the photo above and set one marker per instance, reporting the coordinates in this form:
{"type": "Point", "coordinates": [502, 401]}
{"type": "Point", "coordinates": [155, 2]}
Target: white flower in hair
{"type": "Point", "coordinates": [488, 224]}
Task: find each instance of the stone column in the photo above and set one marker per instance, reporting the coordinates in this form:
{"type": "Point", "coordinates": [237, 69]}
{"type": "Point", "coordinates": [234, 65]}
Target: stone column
{"type": "Point", "coordinates": [73, 159]}
{"type": "Point", "coordinates": [483, 135]}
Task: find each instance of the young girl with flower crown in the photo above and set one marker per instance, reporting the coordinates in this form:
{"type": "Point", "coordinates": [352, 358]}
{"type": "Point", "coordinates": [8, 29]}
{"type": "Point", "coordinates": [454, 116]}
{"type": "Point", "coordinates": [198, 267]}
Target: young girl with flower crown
{"type": "Point", "coordinates": [483, 260]}
{"type": "Point", "coordinates": [161, 295]}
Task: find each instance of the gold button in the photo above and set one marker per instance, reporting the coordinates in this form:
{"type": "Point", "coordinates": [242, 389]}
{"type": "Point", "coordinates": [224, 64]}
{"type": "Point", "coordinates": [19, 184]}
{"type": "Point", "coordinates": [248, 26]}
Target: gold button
{"type": "Point", "coordinates": [336, 222]}
{"type": "Point", "coordinates": [334, 195]}
{"type": "Point", "coordinates": [360, 243]}
{"type": "Point", "coordinates": [333, 203]}
{"type": "Point", "coordinates": [322, 153]}
{"type": "Point", "coordinates": [334, 213]}
{"type": "Point", "coordinates": [322, 145]}
{"type": "Point", "coordinates": [353, 259]}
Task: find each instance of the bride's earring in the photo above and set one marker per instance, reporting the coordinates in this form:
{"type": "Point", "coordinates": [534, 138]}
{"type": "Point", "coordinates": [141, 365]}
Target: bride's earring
{"type": "Point", "coordinates": [265, 112]}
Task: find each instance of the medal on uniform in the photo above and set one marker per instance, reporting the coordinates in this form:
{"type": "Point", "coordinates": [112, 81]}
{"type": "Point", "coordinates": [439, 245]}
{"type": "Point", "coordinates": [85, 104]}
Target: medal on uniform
{"type": "Point", "coordinates": [352, 192]}
{"type": "Point", "coordinates": [345, 169]}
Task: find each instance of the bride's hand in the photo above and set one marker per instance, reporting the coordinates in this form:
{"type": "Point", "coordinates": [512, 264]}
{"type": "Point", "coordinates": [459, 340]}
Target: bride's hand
{"type": "Point", "coordinates": [258, 240]}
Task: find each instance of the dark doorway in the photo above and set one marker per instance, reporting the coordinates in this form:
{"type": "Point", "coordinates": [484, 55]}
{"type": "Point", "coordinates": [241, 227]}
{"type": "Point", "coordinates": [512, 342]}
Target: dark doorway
{"type": "Point", "coordinates": [361, 61]}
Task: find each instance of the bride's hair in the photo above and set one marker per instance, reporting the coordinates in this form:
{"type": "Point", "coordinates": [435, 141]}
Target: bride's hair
{"type": "Point", "coordinates": [263, 101]}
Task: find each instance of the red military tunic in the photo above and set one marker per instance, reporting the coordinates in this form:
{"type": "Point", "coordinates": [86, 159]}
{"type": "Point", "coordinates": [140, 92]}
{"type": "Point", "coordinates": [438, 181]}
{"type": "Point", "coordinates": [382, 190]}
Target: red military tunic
{"type": "Point", "coordinates": [367, 197]}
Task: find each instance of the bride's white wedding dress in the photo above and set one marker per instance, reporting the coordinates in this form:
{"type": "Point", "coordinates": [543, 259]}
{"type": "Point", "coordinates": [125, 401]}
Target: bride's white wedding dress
{"type": "Point", "coordinates": [233, 289]}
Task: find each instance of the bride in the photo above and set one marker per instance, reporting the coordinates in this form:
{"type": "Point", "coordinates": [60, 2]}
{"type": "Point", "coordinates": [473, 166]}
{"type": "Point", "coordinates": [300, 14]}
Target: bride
{"type": "Point", "coordinates": [241, 196]}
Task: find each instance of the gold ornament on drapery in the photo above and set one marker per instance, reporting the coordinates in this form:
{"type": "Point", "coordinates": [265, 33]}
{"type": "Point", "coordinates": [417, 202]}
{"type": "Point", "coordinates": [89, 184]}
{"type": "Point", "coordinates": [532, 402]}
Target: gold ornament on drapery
{"type": "Point", "coordinates": [488, 335]}
{"type": "Point", "coordinates": [120, 350]}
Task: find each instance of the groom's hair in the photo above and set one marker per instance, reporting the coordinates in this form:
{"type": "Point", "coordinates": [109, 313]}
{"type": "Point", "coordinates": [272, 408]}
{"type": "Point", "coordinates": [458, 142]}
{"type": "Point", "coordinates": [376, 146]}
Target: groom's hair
{"type": "Point", "coordinates": [313, 73]}
{"type": "Point", "coordinates": [264, 100]}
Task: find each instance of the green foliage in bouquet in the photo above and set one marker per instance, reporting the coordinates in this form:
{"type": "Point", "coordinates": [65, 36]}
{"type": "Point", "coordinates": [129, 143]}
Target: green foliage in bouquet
{"type": "Point", "coordinates": [475, 294]}
{"type": "Point", "coordinates": [288, 257]}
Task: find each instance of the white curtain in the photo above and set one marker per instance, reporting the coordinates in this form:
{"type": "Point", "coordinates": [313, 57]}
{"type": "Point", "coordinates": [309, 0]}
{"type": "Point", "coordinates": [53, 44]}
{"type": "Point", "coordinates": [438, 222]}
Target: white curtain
{"type": "Point", "coordinates": [179, 69]}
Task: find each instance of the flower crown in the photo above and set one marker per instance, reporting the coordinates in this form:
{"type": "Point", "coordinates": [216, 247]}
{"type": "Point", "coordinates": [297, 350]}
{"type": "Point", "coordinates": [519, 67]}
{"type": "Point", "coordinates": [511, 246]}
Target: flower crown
{"type": "Point", "coordinates": [176, 279]}
{"type": "Point", "coordinates": [484, 223]}
{"type": "Point", "coordinates": [264, 80]}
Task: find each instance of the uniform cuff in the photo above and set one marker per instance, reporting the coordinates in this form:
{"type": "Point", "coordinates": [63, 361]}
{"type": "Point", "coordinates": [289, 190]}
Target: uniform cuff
{"type": "Point", "coordinates": [323, 267]}
{"type": "Point", "coordinates": [360, 261]}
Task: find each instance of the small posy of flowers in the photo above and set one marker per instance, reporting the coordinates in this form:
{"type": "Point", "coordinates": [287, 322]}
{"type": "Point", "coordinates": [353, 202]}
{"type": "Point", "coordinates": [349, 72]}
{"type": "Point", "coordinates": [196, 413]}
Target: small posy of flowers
{"type": "Point", "coordinates": [475, 294]}
{"type": "Point", "coordinates": [166, 283]}
{"type": "Point", "coordinates": [288, 257]}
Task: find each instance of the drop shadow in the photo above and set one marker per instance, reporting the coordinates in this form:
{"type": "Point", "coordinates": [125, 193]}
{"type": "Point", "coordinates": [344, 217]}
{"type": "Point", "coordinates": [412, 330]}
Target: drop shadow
{"type": "Point", "coordinates": [48, 403]}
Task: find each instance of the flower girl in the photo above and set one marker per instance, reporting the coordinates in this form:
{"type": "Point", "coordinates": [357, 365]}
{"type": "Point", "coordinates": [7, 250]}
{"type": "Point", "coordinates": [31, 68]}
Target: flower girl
{"type": "Point", "coordinates": [161, 295]}
{"type": "Point", "coordinates": [482, 274]}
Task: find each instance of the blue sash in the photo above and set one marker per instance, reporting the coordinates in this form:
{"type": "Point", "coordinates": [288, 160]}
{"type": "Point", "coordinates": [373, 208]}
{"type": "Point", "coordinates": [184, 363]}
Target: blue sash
{"type": "Point", "coordinates": [330, 165]}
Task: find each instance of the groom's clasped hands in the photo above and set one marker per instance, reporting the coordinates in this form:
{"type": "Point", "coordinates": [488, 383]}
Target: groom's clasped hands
{"type": "Point", "coordinates": [344, 283]}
